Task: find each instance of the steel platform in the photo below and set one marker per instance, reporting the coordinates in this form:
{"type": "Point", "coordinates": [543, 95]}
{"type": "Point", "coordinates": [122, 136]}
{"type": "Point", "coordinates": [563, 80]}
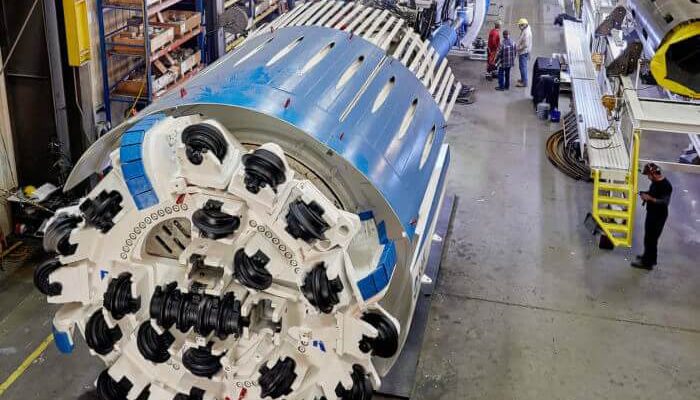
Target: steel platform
{"type": "Point", "coordinates": [579, 57]}
{"type": "Point", "coordinates": [606, 155]}
{"type": "Point", "coordinates": [399, 382]}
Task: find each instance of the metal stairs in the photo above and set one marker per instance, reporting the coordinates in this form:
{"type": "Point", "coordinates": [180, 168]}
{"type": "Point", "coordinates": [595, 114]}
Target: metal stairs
{"type": "Point", "coordinates": [614, 202]}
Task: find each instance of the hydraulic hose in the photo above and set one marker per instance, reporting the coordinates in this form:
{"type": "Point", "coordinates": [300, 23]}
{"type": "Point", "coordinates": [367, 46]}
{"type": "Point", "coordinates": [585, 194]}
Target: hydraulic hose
{"type": "Point", "coordinates": [563, 157]}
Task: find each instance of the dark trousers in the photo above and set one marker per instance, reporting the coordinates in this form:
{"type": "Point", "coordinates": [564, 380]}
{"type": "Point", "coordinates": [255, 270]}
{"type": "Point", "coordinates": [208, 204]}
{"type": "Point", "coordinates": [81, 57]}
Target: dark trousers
{"type": "Point", "coordinates": [504, 77]}
{"type": "Point", "coordinates": [653, 226]}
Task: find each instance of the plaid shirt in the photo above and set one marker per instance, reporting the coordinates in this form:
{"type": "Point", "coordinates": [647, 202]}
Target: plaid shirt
{"type": "Point", "coordinates": [506, 54]}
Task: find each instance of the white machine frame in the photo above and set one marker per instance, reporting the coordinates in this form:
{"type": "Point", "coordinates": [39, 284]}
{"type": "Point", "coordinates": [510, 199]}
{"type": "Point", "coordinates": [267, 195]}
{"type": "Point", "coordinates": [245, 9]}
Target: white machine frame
{"type": "Point", "coordinates": [673, 114]}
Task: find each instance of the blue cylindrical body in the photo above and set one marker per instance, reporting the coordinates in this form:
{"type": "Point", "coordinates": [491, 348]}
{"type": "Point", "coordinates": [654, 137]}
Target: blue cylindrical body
{"type": "Point", "coordinates": [363, 126]}
{"type": "Point", "coordinates": [442, 40]}
{"type": "Point", "coordinates": [342, 118]}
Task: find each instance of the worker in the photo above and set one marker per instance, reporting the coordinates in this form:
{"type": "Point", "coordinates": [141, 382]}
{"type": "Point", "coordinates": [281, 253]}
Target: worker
{"type": "Point", "coordinates": [656, 199]}
{"type": "Point", "coordinates": [505, 59]}
{"type": "Point", "coordinates": [492, 50]}
{"type": "Point", "coordinates": [524, 49]}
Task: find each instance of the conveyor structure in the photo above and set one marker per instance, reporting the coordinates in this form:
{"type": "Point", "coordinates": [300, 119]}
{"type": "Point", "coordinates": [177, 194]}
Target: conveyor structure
{"type": "Point", "coordinates": [604, 52]}
{"type": "Point", "coordinates": [262, 231]}
{"type": "Point", "coordinates": [610, 155]}
{"type": "Point", "coordinates": [611, 158]}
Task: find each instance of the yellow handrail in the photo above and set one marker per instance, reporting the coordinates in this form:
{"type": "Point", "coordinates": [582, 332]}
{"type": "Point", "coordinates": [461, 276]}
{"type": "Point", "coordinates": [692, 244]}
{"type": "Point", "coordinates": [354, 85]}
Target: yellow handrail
{"type": "Point", "coordinates": [619, 233]}
{"type": "Point", "coordinates": [633, 174]}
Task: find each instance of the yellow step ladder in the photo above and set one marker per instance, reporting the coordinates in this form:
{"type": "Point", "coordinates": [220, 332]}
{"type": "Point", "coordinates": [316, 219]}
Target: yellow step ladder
{"type": "Point", "coordinates": [614, 203]}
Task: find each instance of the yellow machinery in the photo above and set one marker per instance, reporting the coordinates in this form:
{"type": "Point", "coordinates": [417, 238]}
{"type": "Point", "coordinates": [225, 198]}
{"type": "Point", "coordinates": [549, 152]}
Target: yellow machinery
{"type": "Point", "coordinates": [670, 30]}
{"type": "Point", "coordinates": [77, 31]}
{"type": "Point", "coordinates": [675, 63]}
{"type": "Point", "coordinates": [668, 33]}
{"type": "Point", "coordinates": [614, 203]}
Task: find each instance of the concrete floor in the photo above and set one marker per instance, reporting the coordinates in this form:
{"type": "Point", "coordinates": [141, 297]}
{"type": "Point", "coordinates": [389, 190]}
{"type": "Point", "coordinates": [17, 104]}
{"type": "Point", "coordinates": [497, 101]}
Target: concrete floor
{"type": "Point", "coordinates": [527, 306]}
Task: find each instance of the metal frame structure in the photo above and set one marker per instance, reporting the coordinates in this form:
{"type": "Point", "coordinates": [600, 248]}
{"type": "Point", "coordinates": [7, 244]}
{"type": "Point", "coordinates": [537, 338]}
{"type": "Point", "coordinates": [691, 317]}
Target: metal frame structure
{"type": "Point", "coordinates": [106, 7]}
{"type": "Point", "coordinates": [668, 113]}
{"type": "Point", "coordinates": [614, 167]}
{"type": "Point", "coordinates": [588, 87]}
{"type": "Point", "coordinates": [664, 115]}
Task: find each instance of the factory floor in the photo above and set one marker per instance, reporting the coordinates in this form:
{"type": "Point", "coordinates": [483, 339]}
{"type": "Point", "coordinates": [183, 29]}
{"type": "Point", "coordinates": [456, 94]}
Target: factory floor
{"type": "Point", "coordinates": [527, 306]}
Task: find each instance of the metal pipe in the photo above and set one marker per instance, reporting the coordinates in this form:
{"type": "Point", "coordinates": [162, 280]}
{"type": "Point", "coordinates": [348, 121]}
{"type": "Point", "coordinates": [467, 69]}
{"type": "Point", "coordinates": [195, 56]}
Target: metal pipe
{"type": "Point", "coordinates": [444, 37]}
{"type": "Point", "coordinates": [481, 9]}
{"type": "Point", "coordinates": [53, 47]}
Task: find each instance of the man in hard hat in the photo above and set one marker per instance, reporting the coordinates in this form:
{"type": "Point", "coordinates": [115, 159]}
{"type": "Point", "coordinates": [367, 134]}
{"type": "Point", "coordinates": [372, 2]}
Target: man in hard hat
{"type": "Point", "coordinates": [524, 48]}
{"type": "Point", "coordinates": [492, 49]}
{"type": "Point", "coordinates": [656, 199]}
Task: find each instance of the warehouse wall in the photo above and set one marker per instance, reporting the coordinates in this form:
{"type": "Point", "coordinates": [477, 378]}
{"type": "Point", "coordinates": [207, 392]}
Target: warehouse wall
{"type": "Point", "coordinates": [29, 85]}
{"type": "Point", "coordinates": [8, 176]}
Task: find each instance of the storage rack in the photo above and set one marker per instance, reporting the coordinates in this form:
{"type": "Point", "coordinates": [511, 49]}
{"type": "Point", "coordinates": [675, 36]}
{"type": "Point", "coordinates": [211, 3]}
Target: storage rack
{"type": "Point", "coordinates": [259, 11]}
{"type": "Point", "coordinates": [120, 60]}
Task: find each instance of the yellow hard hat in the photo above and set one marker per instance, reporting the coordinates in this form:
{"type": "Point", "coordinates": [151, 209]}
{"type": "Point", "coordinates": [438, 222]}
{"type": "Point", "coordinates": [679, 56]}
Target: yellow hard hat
{"type": "Point", "coordinates": [29, 190]}
{"type": "Point", "coordinates": [522, 21]}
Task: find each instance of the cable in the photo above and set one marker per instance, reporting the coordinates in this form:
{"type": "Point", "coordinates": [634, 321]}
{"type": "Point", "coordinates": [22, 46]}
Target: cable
{"type": "Point", "coordinates": [136, 100]}
{"type": "Point", "coordinates": [6, 193]}
{"type": "Point", "coordinates": [637, 89]}
{"type": "Point", "coordinates": [19, 36]}
{"type": "Point", "coordinates": [563, 157]}
{"type": "Point", "coordinates": [75, 93]}
{"type": "Point", "coordinates": [608, 147]}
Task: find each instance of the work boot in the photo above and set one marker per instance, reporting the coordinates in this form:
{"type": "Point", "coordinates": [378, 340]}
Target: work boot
{"type": "Point", "coordinates": [640, 257]}
{"type": "Point", "coordinates": [641, 265]}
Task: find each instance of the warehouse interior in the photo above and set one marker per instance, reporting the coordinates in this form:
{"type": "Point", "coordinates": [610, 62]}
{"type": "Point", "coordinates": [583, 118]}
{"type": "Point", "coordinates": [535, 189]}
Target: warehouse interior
{"type": "Point", "coordinates": [532, 294]}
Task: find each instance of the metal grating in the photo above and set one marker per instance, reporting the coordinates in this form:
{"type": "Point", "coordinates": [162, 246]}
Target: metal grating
{"type": "Point", "coordinates": [602, 154]}
{"type": "Point", "coordinates": [580, 65]}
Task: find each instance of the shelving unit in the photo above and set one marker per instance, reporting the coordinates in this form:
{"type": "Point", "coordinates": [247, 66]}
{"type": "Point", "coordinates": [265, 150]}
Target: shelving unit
{"type": "Point", "coordinates": [258, 11]}
{"type": "Point", "coordinates": [148, 47]}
